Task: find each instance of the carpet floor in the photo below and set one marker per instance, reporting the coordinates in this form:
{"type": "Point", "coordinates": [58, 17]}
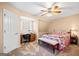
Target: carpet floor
{"type": "Point", "coordinates": [33, 49]}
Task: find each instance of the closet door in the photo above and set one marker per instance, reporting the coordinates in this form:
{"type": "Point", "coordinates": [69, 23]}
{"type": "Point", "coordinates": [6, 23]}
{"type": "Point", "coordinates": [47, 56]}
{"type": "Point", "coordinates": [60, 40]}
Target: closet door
{"type": "Point", "coordinates": [11, 31]}
{"type": "Point", "coordinates": [1, 29]}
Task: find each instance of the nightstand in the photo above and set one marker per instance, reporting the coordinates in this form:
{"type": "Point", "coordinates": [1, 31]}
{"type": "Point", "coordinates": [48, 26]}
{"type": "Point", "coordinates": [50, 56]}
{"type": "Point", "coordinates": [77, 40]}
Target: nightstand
{"type": "Point", "coordinates": [74, 40]}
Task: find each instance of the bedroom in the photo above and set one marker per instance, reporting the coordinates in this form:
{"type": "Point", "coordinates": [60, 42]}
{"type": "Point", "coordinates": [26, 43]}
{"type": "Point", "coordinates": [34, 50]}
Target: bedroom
{"type": "Point", "coordinates": [48, 20]}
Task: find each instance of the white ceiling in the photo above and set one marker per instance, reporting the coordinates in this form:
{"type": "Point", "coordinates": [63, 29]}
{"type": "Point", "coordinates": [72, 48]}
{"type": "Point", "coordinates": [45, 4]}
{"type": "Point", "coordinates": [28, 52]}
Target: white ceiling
{"type": "Point", "coordinates": [68, 8]}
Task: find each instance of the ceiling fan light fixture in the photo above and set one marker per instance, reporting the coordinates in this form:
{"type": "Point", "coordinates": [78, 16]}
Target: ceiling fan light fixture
{"type": "Point", "coordinates": [49, 14]}
{"type": "Point", "coordinates": [57, 11]}
{"type": "Point", "coordinates": [56, 7]}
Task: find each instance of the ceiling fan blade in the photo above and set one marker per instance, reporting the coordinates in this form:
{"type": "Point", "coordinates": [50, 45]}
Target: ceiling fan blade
{"type": "Point", "coordinates": [43, 10]}
{"type": "Point", "coordinates": [40, 13]}
{"type": "Point", "coordinates": [44, 14]}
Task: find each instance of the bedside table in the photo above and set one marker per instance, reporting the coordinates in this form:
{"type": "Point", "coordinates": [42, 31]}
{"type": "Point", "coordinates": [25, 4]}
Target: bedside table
{"type": "Point", "coordinates": [74, 40]}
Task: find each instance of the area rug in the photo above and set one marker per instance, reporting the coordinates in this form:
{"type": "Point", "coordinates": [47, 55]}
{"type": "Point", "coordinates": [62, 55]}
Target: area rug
{"type": "Point", "coordinates": [72, 50]}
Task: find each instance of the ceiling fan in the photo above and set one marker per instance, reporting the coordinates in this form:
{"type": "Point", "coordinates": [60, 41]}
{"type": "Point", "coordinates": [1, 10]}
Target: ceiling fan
{"type": "Point", "coordinates": [53, 9]}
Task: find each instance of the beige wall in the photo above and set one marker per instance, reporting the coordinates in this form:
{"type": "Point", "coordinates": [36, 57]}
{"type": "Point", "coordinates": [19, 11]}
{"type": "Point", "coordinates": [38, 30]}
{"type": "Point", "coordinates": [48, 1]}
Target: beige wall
{"type": "Point", "coordinates": [65, 24]}
{"type": "Point", "coordinates": [43, 27]}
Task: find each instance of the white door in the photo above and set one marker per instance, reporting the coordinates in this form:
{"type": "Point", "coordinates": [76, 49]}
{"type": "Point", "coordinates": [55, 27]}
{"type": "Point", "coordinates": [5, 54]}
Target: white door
{"type": "Point", "coordinates": [11, 31]}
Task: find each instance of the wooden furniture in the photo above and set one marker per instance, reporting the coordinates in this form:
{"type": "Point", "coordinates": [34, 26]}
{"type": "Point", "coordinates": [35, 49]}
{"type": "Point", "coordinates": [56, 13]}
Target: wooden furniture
{"type": "Point", "coordinates": [53, 44]}
{"type": "Point", "coordinates": [27, 38]}
{"type": "Point", "coordinates": [33, 37]}
{"type": "Point", "coordinates": [74, 40]}
{"type": "Point", "coordinates": [73, 37]}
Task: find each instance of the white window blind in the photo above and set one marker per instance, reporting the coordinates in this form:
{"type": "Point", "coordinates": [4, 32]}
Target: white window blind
{"type": "Point", "coordinates": [27, 25]}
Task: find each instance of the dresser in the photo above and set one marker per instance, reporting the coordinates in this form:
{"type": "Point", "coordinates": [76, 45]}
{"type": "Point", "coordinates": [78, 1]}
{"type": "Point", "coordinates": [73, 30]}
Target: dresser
{"type": "Point", "coordinates": [32, 37]}
{"type": "Point", "coordinates": [28, 38]}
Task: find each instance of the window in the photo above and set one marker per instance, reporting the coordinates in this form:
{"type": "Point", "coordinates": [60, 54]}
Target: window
{"type": "Point", "coordinates": [27, 25]}
{"type": "Point", "coordinates": [30, 26]}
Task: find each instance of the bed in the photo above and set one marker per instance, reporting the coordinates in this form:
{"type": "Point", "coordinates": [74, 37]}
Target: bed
{"type": "Point", "coordinates": [62, 39]}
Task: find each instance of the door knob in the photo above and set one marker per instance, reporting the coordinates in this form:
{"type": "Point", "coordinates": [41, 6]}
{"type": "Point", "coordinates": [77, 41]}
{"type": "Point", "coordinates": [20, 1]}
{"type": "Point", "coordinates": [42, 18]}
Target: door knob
{"type": "Point", "coordinates": [4, 30]}
{"type": "Point", "coordinates": [16, 33]}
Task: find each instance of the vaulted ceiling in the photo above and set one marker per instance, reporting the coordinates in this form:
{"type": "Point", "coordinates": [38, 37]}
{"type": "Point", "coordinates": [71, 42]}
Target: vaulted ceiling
{"type": "Point", "coordinates": [34, 8]}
